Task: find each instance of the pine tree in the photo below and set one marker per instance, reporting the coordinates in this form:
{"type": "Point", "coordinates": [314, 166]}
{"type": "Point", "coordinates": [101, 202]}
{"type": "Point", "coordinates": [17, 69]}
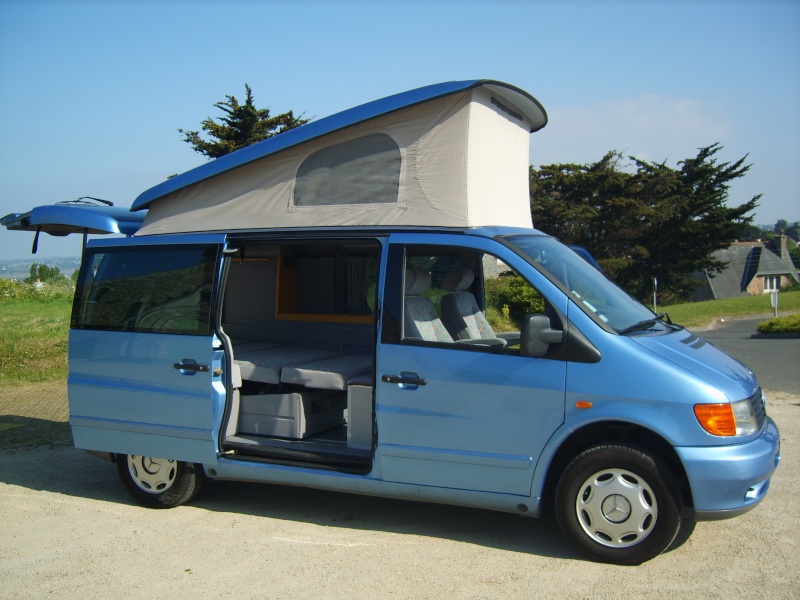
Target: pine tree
{"type": "Point", "coordinates": [654, 222]}
{"type": "Point", "coordinates": [242, 125]}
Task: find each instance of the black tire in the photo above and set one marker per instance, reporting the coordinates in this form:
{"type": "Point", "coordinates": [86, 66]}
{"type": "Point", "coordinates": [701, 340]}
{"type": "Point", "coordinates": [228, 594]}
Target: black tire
{"type": "Point", "coordinates": [159, 482]}
{"type": "Point", "coordinates": [620, 504]}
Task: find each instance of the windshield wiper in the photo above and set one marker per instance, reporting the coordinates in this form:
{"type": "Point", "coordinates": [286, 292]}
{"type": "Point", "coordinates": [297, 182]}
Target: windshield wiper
{"type": "Point", "coordinates": [647, 323]}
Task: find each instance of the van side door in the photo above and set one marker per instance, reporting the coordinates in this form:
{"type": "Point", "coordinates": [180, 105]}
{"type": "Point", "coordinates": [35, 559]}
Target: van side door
{"type": "Point", "coordinates": [146, 371]}
{"type": "Point", "coordinates": [453, 414]}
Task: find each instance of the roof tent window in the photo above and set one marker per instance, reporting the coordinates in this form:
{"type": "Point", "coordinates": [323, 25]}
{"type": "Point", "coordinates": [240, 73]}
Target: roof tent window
{"type": "Point", "coordinates": [365, 170]}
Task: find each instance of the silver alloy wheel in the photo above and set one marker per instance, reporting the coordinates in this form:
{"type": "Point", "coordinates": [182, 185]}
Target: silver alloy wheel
{"type": "Point", "coordinates": [153, 475]}
{"type": "Point", "coordinates": [616, 508]}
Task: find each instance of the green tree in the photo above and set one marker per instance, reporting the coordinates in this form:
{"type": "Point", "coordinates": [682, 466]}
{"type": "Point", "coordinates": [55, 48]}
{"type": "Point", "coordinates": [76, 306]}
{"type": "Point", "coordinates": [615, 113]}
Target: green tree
{"type": "Point", "coordinates": [45, 274]}
{"type": "Point", "coordinates": [242, 125]}
{"type": "Point", "coordinates": [794, 254]}
{"type": "Point", "coordinates": [793, 231]}
{"type": "Point", "coordinates": [780, 226]}
{"type": "Point", "coordinates": [649, 221]}
{"type": "Point", "coordinates": [751, 233]}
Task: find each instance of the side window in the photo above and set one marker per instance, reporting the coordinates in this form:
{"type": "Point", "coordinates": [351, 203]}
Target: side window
{"type": "Point", "coordinates": [466, 298]}
{"type": "Point", "coordinates": [150, 290]}
{"type": "Point", "coordinates": [423, 290]}
{"type": "Point", "coordinates": [365, 170]}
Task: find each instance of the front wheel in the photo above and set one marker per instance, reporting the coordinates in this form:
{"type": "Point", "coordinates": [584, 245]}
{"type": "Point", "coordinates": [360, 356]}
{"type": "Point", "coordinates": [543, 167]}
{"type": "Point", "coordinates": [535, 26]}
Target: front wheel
{"type": "Point", "coordinates": [619, 504]}
{"type": "Point", "coordinates": [159, 482]}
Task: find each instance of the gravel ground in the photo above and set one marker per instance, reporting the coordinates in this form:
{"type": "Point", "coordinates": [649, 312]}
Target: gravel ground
{"type": "Point", "coordinates": [70, 531]}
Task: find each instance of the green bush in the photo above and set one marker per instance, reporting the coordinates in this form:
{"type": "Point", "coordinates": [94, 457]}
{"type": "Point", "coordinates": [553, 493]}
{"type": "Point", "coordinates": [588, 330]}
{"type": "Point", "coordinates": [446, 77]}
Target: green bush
{"type": "Point", "coordinates": [790, 324]}
{"type": "Point", "coordinates": [513, 297]}
{"type": "Point", "coordinates": [11, 289]}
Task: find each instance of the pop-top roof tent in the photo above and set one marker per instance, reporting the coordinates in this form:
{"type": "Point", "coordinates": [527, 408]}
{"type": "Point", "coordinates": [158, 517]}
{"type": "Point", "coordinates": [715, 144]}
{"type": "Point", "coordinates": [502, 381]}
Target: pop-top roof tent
{"type": "Point", "coordinates": [453, 154]}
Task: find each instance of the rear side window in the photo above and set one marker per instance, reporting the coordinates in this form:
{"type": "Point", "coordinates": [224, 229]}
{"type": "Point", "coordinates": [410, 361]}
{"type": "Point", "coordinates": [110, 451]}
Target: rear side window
{"type": "Point", "coordinates": [150, 290]}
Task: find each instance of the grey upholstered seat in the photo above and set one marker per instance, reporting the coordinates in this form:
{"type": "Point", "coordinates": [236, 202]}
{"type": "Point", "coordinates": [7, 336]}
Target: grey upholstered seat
{"type": "Point", "coordinates": [462, 317]}
{"type": "Point", "coordinates": [419, 314]}
{"type": "Point", "coordinates": [329, 374]}
{"type": "Point", "coordinates": [265, 364]}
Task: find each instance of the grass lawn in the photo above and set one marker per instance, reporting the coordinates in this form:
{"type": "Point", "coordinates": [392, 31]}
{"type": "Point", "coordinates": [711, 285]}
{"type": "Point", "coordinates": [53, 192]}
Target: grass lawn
{"type": "Point", "coordinates": [701, 313]}
{"type": "Point", "coordinates": [33, 340]}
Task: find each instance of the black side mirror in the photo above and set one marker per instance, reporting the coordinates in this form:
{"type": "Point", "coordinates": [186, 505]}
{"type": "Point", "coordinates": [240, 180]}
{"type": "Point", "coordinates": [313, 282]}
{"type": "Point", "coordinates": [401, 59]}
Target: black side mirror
{"type": "Point", "coordinates": [536, 336]}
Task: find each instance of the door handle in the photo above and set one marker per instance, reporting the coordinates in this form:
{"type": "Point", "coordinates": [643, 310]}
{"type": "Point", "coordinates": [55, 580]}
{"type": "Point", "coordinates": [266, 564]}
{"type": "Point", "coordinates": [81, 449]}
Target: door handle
{"type": "Point", "coordinates": [188, 364]}
{"type": "Point", "coordinates": [408, 379]}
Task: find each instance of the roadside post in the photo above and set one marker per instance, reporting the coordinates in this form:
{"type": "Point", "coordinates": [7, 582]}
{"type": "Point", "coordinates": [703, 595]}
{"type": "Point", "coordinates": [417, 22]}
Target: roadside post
{"type": "Point", "coordinates": [773, 299]}
{"type": "Point", "coordinates": [655, 289]}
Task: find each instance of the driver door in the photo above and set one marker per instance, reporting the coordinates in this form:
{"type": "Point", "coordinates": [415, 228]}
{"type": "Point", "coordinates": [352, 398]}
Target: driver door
{"type": "Point", "coordinates": [451, 414]}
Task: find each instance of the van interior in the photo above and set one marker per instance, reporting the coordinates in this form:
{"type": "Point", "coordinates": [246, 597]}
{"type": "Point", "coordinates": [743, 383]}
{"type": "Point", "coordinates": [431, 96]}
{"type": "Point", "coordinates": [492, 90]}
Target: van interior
{"type": "Point", "coordinates": [300, 320]}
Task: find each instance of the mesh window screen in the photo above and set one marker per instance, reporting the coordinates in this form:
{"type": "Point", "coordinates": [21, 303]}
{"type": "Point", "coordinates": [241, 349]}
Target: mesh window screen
{"type": "Point", "coordinates": [361, 171]}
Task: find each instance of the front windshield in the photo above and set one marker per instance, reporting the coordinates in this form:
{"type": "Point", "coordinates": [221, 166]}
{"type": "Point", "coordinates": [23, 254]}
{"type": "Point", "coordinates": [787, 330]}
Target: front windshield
{"type": "Point", "coordinates": [587, 286]}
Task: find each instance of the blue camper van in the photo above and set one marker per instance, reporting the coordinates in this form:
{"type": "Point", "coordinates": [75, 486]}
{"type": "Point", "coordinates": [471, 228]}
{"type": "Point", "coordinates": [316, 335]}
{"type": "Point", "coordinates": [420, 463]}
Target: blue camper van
{"type": "Point", "coordinates": [312, 311]}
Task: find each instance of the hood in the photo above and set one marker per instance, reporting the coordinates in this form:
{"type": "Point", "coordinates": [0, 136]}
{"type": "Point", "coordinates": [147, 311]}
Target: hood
{"type": "Point", "coordinates": [705, 360]}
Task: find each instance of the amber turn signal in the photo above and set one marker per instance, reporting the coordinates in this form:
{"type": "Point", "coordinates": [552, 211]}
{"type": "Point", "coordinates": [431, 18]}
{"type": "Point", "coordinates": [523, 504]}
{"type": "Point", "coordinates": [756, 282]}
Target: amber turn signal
{"type": "Point", "coordinates": [716, 419]}
{"type": "Point", "coordinates": [583, 404]}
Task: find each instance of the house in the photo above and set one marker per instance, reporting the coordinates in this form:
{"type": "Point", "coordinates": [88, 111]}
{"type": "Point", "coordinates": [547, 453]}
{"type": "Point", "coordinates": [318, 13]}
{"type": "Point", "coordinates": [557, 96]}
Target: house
{"type": "Point", "coordinates": [750, 268]}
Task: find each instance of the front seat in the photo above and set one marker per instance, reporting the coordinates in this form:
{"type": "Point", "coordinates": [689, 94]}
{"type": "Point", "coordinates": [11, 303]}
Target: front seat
{"type": "Point", "coordinates": [462, 317]}
{"type": "Point", "coordinates": [419, 314]}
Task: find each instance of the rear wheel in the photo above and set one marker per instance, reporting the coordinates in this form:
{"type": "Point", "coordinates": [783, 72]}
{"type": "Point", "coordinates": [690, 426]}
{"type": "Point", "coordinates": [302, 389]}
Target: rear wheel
{"type": "Point", "coordinates": [159, 482]}
{"type": "Point", "coordinates": [619, 504]}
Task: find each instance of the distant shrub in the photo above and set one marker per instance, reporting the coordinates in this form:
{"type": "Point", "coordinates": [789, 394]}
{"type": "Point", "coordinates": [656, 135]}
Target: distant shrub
{"type": "Point", "coordinates": [46, 274]}
{"type": "Point", "coordinates": [11, 289]}
{"type": "Point", "coordinates": [511, 296]}
{"type": "Point", "coordinates": [789, 324]}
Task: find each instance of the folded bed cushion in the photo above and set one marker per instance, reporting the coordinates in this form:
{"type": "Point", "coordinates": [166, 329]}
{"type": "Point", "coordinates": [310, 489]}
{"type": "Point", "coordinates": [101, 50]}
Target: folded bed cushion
{"type": "Point", "coordinates": [265, 365]}
{"type": "Point", "coordinates": [244, 346]}
{"type": "Point", "coordinates": [328, 374]}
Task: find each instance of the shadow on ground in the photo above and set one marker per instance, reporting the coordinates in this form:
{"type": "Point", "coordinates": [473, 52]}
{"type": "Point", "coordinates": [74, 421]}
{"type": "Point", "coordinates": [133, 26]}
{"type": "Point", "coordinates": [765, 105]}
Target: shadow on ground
{"type": "Point", "coordinates": [18, 432]}
{"type": "Point", "coordinates": [71, 472]}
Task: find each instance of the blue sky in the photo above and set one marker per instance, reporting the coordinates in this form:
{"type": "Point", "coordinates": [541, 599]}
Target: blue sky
{"type": "Point", "coordinates": [92, 93]}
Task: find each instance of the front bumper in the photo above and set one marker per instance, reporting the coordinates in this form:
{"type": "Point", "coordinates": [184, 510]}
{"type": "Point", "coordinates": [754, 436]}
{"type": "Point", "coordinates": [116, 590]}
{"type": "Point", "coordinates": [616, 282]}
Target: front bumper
{"type": "Point", "coordinates": [727, 481]}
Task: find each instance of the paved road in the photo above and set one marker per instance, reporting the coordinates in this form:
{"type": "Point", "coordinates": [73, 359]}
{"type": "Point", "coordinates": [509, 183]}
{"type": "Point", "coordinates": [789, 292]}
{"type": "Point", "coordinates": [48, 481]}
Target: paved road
{"type": "Point", "coordinates": [776, 361]}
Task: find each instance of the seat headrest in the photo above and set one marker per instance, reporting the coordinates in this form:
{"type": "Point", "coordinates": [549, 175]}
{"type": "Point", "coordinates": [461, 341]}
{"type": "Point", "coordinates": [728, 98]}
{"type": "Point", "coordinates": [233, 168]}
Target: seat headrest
{"type": "Point", "coordinates": [459, 280]}
{"type": "Point", "coordinates": [417, 281]}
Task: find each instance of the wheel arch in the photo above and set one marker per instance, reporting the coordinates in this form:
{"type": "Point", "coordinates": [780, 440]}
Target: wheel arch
{"type": "Point", "coordinates": [611, 432]}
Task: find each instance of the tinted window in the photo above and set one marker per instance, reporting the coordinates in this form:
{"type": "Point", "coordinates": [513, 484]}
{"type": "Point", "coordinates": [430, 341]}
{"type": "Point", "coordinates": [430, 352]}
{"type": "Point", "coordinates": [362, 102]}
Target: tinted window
{"type": "Point", "coordinates": [156, 290]}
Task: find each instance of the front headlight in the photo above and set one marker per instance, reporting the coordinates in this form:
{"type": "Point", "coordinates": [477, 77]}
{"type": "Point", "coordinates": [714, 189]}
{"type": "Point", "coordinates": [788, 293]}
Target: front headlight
{"type": "Point", "coordinates": [736, 418]}
{"type": "Point", "coordinates": [746, 421]}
